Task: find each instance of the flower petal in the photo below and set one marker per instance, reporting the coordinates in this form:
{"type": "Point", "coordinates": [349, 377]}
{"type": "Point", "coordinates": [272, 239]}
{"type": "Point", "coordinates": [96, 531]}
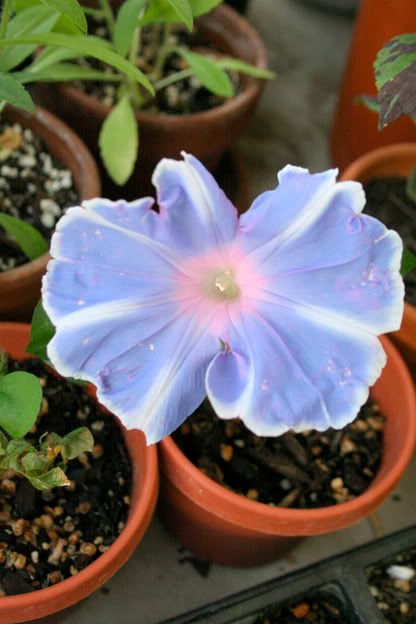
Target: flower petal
{"type": "Point", "coordinates": [196, 213]}
{"type": "Point", "coordinates": [305, 371]}
{"type": "Point", "coordinates": [226, 382]}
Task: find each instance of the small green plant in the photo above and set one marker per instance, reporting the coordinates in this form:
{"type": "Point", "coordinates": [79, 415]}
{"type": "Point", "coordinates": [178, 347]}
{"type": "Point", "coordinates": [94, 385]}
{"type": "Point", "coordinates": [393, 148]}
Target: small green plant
{"type": "Point", "coordinates": [42, 464]}
{"type": "Point", "coordinates": [60, 28]}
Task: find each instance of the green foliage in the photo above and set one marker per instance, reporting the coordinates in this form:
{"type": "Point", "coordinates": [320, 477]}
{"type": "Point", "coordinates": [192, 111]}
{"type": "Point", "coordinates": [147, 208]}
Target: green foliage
{"type": "Point", "coordinates": [183, 11]}
{"type": "Point", "coordinates": [234, 64]}
{"type": "Point", "coordinates": [210, 74]}
{"type": "Point", "coordinates": [119, 141]}
{"type": "Point", "coordinates": [162, 11]}
{"type": "Point", "coordinates": [71, 10]}
{"type": "Point", "coordinates": [20, 400]}
{"type": "Point", "coordinates": [126, 23]}
{"type": "Point", "coordinates": [411, 185]}
{"type": "Point", "coordinates": [395, 72]}
{"type": "Point", "coordinates": [408, 262]}
{"type": "Point", "coordinates": [41, 333]}
{"type": "Point", "coordinates": [30, 241]}
{"type": "Point", "coordinates": [13, 92]}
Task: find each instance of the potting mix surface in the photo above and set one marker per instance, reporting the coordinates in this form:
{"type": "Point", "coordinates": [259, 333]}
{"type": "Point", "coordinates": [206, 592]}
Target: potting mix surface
{"type": "Point", "coordinates": [184, 97]}
{"type": "Point", "coordinates": [33, 187]}
{"type": "Point", "coordinates": [48, 536]}
{"type": "Point", "coordinates": [388, 201]}
{"type": "Point", "coordinates": [305, 470]}
{"type": "Point", "coordinates": [313, 611]}
{"type": "Point", "coordinates": [393, 586]}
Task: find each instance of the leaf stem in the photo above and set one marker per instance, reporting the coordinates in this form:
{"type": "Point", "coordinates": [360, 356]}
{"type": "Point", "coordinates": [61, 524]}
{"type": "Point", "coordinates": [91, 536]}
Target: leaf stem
{"type": "Point", "coordinates": [172, 78]}
{"type": "Point", "coordinates": [164, 51]}
{"type": "Point", "coordinates": [93, 12]}
{"type": "Point", "coordinates": [108, 14]}
{"type": "Point", "coordinates": [5, 18]}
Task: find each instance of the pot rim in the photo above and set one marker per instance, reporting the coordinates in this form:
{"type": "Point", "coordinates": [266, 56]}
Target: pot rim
{"type": "Point", "coordinates": [262, 517]}
{"type": "Point", "coordinates": [82, 158]}
{"type": "Point", "coordinates": [140, 514]}
{"type": "Point", "coordinates": [250, 90]}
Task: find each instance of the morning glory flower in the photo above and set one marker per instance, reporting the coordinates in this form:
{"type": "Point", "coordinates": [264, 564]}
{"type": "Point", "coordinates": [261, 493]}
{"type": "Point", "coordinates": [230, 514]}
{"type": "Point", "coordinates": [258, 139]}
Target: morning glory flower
{"type": "Point", "coordinates": [273, 315]}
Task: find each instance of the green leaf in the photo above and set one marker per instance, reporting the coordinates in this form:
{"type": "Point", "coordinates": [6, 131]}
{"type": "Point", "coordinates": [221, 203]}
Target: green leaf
{"type": "Point", "coordinates": [49, 440]}
{"type": "Point", "coordinates": [63, 72]}
{"type": "Point", "coordinates": [126, 22]}
{"type": "Point", "coordinates": [52, 56]}
{"type": "Point", "coordinates": [14, 93]}
{"type": "Point", "coordinates": [411, 185]}
{"type": "Point", "coordinates": [183, 10]}
{"type": "Point", "coordinates": [408, 262]}
{"type": "Point", "coordinates": [3, 362]}
{"type": "Point", "coordinates": [119, 141]}
{"type": "Point", "coordinates": [30, 241]}
{"type": "Point", "coordinates": [369, 102]}
{"type": "Point", "coordinates": [395, 72]}
{"type": "Point", "coordinates": [86, 46]}
{"type": "Point", "coordinates": [77, 442]}
{"type": "Point", "coordinates": [20, 399]}
{"type": "Point", "coordinates": [161, 11]}
{"type": "Point", "coordinates": [209, 73]}
{"type": "Point", "coordinates": [41, 333]}
{"type": "Point", "coordinates": [14, 451]}
{"type": "Point", "coordinates": [3, 444]}
{"type": "Point", "coordinates": [200, 7]}
{"type": "Point", "coordinates": [233, 64]}
{"type": "Point", "coordinates": [34, 464]}
{"type": "Point", "coordinates": [54, 478]}
{"type": "Point", "coordinates": [71, 10]}
{"type": "Point", "coordinates": [34, 20]}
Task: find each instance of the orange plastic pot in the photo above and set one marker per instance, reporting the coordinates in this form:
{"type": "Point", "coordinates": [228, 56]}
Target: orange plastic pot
{"type": "Point", "coordinates": [355, 130]}
{"type": "Point", "coordinates": [27, 607]}
{"type": "Point", "coordinates": [221, 526]}
{"type": "Point", "coordinates": [393, 160]}
{"type": "Point", "coordinates": [20, 287]}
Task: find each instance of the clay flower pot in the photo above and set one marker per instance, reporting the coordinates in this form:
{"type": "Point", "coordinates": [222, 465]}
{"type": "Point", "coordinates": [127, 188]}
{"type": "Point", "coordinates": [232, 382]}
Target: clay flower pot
{"type": "Point", "coordinates": [206, 135]}
{"type": "Point", "coordinates": [221, 526]}
{"type": "Point", "coordinates": [393, 160]}
{"type": "Point", "coordinates": [20, 287]}
{"type": "Point", "coordinates": [355, 130]}
{"type": "Point", "coordinates": [26, 607]}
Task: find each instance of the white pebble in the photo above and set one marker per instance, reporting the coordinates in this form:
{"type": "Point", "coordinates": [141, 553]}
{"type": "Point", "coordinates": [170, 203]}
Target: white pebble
{"type": "Point", "coordinates": [9, 172]}
{"type": "Point", "coordinates": [401, 573]}
{"type": "Point", "coordinates": [48, 220]}
{"type": "Point", "coordinates": [285, 484]}
{"type": "Point", "coordinates": [27, 161]}
{"type": "Point", "coordinates": [48, 205]}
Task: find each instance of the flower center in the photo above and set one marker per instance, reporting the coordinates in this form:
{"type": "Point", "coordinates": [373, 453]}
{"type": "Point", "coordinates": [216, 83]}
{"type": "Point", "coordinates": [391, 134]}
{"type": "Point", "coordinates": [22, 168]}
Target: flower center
{"type": "Point", "coordinates": [220, 284]}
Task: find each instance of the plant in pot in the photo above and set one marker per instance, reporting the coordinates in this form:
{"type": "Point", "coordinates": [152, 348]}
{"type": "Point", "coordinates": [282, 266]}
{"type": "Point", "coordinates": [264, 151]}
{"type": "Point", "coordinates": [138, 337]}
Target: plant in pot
{"type": "Point", "coordinates": [65, 528]}
{"type": "Point", "coordinates": [279, 331]}
{"type": "Point", "coordinates": [205, 85]}
{"type": "Point", "coordinates": [389, 173]}
{"type": "Point", "coordinates": [44, 166]}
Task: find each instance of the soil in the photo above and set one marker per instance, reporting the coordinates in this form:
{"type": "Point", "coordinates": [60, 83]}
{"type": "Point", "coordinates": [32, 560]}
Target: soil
{"type": "Point", "coordinates": [308, 611]}
{"type": "Point", "coordinates": [33, 187]}
{"type": "Point", "coordinates": [184, 97]}
{"type": "Point", "coordinates": [305, 470]}
{"type": "Point", "coordinates": [46, 537]}
{"type": "Point", "coordinates": [395, 597]}
{"type": "Point", "coordinates": [387, 200]}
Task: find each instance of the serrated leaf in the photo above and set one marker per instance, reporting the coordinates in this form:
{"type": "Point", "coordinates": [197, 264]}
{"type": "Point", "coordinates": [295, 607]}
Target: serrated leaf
{"type": "Point", "coordinates": [208, 72]}
{"type": "Point", "coordinates": [20, 399]}
{"type": "Point", "coordinates": [408, 262]}
{"type": "Point", "coordinates": [71, 10]}
{"type": "Point", "coordinates": [30, 241]}
{"type": "Point", "coordinates": [233, 64]}
{"type": "Point", "coordinates": [76, 442]}
{"type": "Point", "coordinates": [161, 11]}
{"type": "Point", "coordinates": [126, 22]}
{"type": "Point", "coordinates": [64, 72]}
{"type": "Point", "coordinates": [13, 92]}
{"type": "Point", "coordinates": [41, 333]}
{"type": "Point", "coordinates": [86, 46]}
{"type": "Point", "coordinates": [395, 72]}
{"type": "Point", "coordinates": [34, 464]}
{"type": "Point", "coordinates": [51, 479]}
{"type": "Point", "coordinates": [30, 22]}
{"type": "Point", "coordinates": [119, 141]}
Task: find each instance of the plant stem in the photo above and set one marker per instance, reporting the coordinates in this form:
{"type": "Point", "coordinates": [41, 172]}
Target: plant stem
{"type": "Point", "coordinates": [108, 14]}
{"type": "Point", "coordinates": [172, 78]}
{"type": "Point", "coordinates": [164, 51]}
{"type": "Point", "coordinates": [5, 18]}
{"type": "Point", "coordinates": [93, 12]}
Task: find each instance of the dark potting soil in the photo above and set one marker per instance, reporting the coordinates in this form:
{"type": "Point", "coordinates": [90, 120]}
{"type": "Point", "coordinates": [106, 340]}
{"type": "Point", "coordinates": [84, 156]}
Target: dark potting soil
{"type": "Point", "coordinates": [184, 97]}
{"type": "Point", "coordinates": [387, 200]}
{"type": "Point", "coordinates": [33, 187]}
{"type": "Point", "coordinates": [46, 537]}
{"type": "Point", "coordinates": [395, 596]}
{"type": "Point", "coordinates": [305, 470]}
{"type": "Point", "coordinates": [308, 611]}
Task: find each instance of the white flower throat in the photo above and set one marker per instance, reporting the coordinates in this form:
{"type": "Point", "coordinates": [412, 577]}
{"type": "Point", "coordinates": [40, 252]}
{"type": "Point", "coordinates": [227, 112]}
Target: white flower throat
{"type": "Point", "coordinates": [221, 284]}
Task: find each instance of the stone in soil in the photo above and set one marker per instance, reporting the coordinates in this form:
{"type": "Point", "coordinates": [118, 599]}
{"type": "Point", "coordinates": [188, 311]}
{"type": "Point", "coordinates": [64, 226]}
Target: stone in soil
{"type": "Point", "coordinates": [33, 187]}
{"type": "Point", "coordinates": [46, 537]}
{"type": "Point", "coordinates": [309, 611]}
{"type": "Point", "coordinates": [387, 200]}
{"type": "Point", "coordinates": [181, 98]}
{"type": "Point", "coordinates": [305, 470]}
{"type": "Point", "coordinates": [393, 587]}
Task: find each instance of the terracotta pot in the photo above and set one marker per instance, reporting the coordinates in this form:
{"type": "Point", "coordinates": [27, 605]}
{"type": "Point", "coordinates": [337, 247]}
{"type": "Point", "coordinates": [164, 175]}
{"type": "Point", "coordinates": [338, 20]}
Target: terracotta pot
{"type": "Point", "coordinates": [227, 528]}
{"type": "Point", "coordinates": [20, 287]}
{"type": "Point", "coordinates": [26, 607]}
{"type": "Point", "coordinates": [393, 160]}
{"type": "Point", "coordinates": [206, 135]}
{"type": "Point", "coordinates": [355, 130]}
